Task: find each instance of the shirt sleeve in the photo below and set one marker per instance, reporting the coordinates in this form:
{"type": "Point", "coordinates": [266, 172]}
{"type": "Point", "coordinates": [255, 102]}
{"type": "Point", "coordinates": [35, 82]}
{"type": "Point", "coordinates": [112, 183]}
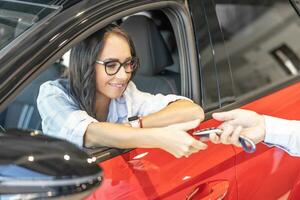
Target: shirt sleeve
{"type": "Point", "coordinates": [61, 117]}
{"type": "Point", "coordinates": [145, 103]}
{"type": "Point", "coordinates": [283, 134]}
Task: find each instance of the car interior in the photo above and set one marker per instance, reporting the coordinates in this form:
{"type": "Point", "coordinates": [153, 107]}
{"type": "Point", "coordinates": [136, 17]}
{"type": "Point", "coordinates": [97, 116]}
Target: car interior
{"type": "Point", "coordinates": [159, 71]}
{"type": "Point", "coordinates": [153, 76]}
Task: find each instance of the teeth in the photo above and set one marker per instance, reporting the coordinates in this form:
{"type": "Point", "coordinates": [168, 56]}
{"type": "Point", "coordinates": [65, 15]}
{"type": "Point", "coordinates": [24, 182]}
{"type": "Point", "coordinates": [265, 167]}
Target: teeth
{"type": "Point", "coordinates": [116, 85]}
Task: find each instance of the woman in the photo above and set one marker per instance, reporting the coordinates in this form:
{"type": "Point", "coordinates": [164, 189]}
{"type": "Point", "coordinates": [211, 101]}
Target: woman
{"type": "Point", "coordinates": [92, 107]}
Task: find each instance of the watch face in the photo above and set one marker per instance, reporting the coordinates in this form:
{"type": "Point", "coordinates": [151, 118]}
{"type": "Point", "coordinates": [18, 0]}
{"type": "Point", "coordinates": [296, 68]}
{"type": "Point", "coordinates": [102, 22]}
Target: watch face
{"type": "Point", "coordinates": [134, 121]}
{"type": "Point", "coordinates": [133, 118]}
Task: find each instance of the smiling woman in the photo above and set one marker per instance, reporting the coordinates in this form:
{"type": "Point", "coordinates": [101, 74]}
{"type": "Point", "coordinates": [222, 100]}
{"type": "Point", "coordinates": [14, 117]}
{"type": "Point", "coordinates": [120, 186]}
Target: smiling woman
{"type": "Point", "coordinates": [93, 106]}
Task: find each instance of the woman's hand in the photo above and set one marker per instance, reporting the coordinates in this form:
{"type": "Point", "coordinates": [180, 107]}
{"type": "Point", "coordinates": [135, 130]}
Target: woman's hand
{"type": "Point", "coordinates": [175, 140]}
{"type": "Point", "coordinates": [239, 122]}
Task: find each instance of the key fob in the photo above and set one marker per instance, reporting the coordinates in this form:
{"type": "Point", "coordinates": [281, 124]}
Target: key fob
{"type": "Point", "coordinates": [247, 144]}
{"type": "Point", "coordinates": [206, 131]}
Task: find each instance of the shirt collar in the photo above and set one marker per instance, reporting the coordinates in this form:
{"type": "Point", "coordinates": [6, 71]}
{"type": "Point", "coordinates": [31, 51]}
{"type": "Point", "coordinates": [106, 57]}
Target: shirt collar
{"type": "Point", "coordinates": [117, 110]}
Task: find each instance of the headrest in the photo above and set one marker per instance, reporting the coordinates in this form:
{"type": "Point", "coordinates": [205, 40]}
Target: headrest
{"type": "Point", "coordinates": [149, 44]}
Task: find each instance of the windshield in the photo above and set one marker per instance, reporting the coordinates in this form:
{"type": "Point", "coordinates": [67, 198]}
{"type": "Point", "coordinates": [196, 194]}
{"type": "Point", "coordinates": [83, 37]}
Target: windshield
{"type": "Point", "coordinates": [18, 16]}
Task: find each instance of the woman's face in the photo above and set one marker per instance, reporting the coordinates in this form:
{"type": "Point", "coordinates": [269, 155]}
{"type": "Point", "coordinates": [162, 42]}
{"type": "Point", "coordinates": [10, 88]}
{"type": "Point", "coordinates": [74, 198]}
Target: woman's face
{"type": "Point", "coordinates": [115, 47]}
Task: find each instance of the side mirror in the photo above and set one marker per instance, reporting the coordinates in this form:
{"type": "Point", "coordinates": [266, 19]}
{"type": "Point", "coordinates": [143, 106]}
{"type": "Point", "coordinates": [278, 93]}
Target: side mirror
{"type": "Point", "coordinates": [35, 166]}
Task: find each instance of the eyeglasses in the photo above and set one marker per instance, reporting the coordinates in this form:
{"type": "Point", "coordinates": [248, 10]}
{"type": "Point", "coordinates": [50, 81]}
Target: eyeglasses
{"type": "Point", "coordinates": [113, 66]}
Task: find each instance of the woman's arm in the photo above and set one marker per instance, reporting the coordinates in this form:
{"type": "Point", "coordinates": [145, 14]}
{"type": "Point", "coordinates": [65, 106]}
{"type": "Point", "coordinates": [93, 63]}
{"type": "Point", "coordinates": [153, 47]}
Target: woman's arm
{"type": "Point", "coordinates": [161, 110]}
{"type": "Point", "coordinates": [173, 139]}
{"type": "Point", "coordinates": [176, 112]}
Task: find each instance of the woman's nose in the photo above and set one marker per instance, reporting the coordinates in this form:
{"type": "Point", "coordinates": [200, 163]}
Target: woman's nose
{"type": "Point", "coordinates": [122, 74]}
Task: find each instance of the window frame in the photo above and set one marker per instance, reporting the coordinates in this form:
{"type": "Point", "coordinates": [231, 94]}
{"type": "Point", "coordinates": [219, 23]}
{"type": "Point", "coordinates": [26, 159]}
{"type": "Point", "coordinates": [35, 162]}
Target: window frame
{"type": "Point", "coordinates": [206, 6]}
{"type": "Point", "coordinates": [35, 27]}
{"type": "Point", "coordinates": [97, 19]}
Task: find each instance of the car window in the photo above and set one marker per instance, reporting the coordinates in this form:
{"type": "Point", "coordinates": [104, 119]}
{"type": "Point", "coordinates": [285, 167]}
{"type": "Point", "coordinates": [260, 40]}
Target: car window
{"type": "Point", "coordinates": [262, 41]}
{"type": "Point", "coordinates": [22, 112]}
{"type": "Point", "coordinates": [160, 76]}
{"type": "Point", "coordinates": [16, 17]}
{"type": "Point", "coordinates": [215, 73]}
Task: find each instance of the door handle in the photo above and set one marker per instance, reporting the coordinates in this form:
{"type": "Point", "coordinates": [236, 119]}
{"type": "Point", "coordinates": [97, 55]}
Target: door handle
{"type": "Point", "coordinates": [215, 190]}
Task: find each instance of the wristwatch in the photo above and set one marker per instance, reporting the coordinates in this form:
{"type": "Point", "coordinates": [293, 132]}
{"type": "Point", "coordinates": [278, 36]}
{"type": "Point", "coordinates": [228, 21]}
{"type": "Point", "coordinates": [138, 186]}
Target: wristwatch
{"type": "Point", "coordinates": [135, 122]}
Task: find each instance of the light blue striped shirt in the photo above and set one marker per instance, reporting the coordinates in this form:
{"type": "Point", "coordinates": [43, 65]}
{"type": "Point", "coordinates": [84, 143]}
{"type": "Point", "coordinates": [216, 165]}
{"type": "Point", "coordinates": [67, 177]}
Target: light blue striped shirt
{"type": "Point", "coordinates": [62, 117]}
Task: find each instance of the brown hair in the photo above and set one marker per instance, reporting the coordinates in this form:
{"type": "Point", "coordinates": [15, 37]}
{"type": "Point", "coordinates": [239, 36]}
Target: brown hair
{"type": "Point", "coordinates": [83, 56]}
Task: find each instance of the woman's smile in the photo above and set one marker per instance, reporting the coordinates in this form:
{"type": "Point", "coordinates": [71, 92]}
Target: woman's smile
{"type": "Point", "coordinates": [117, 85]}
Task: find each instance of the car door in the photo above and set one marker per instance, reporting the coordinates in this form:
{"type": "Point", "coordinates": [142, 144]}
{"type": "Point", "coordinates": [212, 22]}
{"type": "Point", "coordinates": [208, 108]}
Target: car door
{"type": "Point", "coordinates": [137, 173]}
{"type": "Point", "coordinates": [155, 174]}
{"type": "Point", "coordinates": [262, 47]}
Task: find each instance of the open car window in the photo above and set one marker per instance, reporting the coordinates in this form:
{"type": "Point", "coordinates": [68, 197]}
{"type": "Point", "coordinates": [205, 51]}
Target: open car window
{"type": "Point", "coordinates": [162, 75]}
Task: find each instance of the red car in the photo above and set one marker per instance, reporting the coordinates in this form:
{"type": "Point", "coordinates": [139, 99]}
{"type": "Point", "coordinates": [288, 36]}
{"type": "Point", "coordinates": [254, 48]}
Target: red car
{"type": "Point", "coordinates": [223, 54]}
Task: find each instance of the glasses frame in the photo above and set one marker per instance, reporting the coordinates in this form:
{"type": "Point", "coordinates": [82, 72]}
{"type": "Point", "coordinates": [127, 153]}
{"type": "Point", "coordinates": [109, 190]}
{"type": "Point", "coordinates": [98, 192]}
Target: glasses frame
{"type": "Point", "coordinates": [121, 65]}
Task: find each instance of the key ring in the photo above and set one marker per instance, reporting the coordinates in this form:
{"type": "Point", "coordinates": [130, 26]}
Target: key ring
{"type": "Point", "coordinates": [247, 144]}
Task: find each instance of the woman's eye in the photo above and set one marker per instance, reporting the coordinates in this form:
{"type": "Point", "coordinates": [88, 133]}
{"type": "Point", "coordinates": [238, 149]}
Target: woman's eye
{"type": "Point", "coordinates": [128, 64]}
{"type": "Point", "coordinates": [112, 64]}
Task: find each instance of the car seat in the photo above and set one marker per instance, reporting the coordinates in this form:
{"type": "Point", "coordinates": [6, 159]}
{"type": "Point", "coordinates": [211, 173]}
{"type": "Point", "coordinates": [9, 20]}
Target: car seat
{"type": "Point", "coordinates": [22, 113]}
{"type": "Point", "coordinates": [154, 56]}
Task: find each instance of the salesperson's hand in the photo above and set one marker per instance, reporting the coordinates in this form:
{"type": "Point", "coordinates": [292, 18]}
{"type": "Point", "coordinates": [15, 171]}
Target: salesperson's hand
{"type": "Point", "coordinates": [239, 122]}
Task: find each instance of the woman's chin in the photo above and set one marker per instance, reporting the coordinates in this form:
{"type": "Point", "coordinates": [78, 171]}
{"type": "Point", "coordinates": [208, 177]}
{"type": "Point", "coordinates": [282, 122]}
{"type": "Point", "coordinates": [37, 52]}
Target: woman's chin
{"type": "Point", "coordinates": [115, 96]}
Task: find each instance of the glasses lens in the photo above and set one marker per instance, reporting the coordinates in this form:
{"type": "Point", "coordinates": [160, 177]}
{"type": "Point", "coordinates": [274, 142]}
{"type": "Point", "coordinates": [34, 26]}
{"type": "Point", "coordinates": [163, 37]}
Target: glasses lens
{"type": "Point", "coordinates": [112, 67]}
{"type": "Point", "coordinates": [130, 65]}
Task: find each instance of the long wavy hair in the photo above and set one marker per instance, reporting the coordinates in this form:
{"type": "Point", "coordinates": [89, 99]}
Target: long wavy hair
{"type": "Point", "coordinates": [82, 76]}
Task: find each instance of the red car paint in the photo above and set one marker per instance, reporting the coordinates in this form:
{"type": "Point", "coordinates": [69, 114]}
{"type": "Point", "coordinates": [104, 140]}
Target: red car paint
{"type": "Point", "coordinates": [221, 171]}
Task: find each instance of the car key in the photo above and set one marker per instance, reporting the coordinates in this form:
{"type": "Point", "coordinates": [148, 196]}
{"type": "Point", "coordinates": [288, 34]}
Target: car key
{"type": "Point", "coordinates": [247, 144]}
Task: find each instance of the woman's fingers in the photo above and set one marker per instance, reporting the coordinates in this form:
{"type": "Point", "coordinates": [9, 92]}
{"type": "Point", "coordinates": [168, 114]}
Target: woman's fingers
{"type": "Point", "coordinates": [179, 143]}
{"type": "Point", "coordinates": [195, 147]}
{"type": "Point", "coordinates": [198, 145]}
